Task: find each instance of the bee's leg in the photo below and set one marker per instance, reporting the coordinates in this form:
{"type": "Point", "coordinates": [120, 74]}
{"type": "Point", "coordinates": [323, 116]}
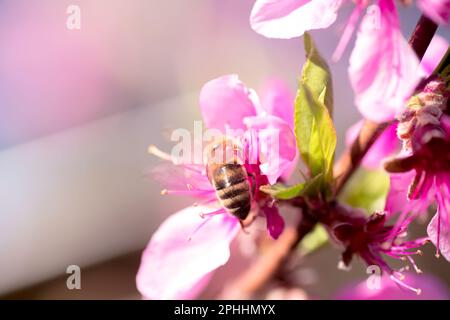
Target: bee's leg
{"type": "Point", "coordinates": [252, 182]}
{"type": "Point", "coordinates": [243, 227]}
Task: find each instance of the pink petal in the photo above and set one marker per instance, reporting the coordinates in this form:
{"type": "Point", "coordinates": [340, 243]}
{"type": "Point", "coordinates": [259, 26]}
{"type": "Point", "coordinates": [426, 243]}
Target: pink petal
{"type": "Point", "coordinates": [445, 124]}
{"type": "Point", "coordinates": [226, 101]}
{"type": "Point", "coordinates": [277, 100]}
{"type": "Point", "coordinates": [348, 31]}
{"type": "Point", "coordinates": [436, 10]}
{"type": "Point", "coordinates": [277, 144]}
{"type": "Point", "coordinates": [383, 68]}
{"type": "Point", "coordinates": [179, 177]}
{"type": "Point", "coordinates": [436, 50]}
{"type": "Point", "coordinates": [275, 222]}
{"type": "Point", "coordinates": [432, 289]}
{"type": "Point", "coordinates": [444, 234]}
{"type": "Point", "coordinates": [385, 146]}
{"type": "Point", "coordinates": [397, 200]}
{"type": "Point", "coordinates": [174, 267]}
{"type": "Point", "coordinates": [287, 19]}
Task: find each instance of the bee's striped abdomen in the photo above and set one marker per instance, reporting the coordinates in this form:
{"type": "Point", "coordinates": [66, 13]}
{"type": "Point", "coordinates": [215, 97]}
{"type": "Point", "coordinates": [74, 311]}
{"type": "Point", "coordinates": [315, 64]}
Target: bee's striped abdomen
{"type": "Point", "coordinates": [233, 189]}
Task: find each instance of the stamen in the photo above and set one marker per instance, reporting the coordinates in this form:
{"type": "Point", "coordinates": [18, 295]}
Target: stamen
{"type": "Point", "coordinates": [343, 267]}
{"type": "Point", "coordinates": [198, 228]}
{"type": "Point", "coordinates": [400, 275]}
{"type": "Point", "coordinates": [160, 154]}
{"type": "Point", "coordinates": [418, 291]}
{"type": "Point", "coordinates": [403, 269]}
{"type": "Point", "coordinates": [272, 203]}
{"type": "Point", "coordinates": [438, 236]}
{"type": "Point", "coordinates": [413, 263]}
{"type": "Point", "coordinates": [210, 214]}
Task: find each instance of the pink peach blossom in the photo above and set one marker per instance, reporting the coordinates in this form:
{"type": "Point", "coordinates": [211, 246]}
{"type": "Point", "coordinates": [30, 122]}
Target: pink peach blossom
{"type": "Point", "coordinates": [244, 111]}
{"type": "Point", "coordinates": [198, 237]}
{"type": "Point", "coordinates": [383, 67]}
{"type": "Point", "coordinates": [287, 19]}
{"type": "Point", "coordinates": [179, 259]}
{"type": "Point", "coordinates": [421, 174]}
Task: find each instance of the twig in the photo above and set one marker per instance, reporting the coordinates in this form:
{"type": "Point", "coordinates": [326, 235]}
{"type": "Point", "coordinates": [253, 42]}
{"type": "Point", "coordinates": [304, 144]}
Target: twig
{"type": "Point", "coordinates": [422, 36]}
{"type": "Point", "coordinates": [350, 160]}
{"type": "Point", "coordinates": [268, 263]}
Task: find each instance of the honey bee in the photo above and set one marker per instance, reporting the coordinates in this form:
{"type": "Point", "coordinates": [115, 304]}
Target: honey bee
{"type": "Point", "coordinates": [229, 178]}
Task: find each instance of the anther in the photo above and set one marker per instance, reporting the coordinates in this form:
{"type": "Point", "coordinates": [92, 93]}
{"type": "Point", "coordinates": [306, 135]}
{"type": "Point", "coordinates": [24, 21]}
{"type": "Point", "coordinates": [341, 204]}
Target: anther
{"type": "Point", "coordinates": [405, 268]}
{"type": "Point", "coordinates": [418, 291]}
{"type": "Point", "coordinates": [164, 192]}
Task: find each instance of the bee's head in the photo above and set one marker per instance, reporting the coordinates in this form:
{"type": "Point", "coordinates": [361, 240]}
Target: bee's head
{"type": "Point", "coordinates": [220, 152]}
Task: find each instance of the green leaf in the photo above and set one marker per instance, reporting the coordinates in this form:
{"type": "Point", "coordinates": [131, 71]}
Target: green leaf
{"type": "Point", "coordinates": [279, 191]}
{"type": "Point", "coordinates": [282, 192]}
{"type": "Point", "coordinates": [314, 240]}
{"type": "Point", "coordinates": [316, 74]}
{"type": "Point", "coordinates": [315, 133]}
{"type": "Point", "coordinates": [314, 129]}
{"type": "Point", "coordinates": [367, 189]}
